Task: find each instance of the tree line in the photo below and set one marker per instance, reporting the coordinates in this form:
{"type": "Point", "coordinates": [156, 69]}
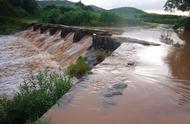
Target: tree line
{"type": "Point", "coordinates": [80, 15]}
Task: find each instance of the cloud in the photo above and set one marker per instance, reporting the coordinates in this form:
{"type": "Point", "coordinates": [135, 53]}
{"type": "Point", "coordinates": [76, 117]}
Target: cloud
{"type": "Point", "coordinates": [141, 4]}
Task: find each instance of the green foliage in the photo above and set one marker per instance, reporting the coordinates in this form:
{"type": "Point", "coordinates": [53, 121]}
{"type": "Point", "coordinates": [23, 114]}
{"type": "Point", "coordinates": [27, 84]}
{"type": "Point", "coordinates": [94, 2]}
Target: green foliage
{"type": "Point", "coordinates": [44, 3]}
{"type": "Point", "coordinates": [51, 16]}
{"type": "Point", "coordinates": [38, 93]}
{"type": "Point", "coordinates": [128, 12]}
{"type": "Point", "coordinates": [79, 15]}
{"type": "Point", "coordinates": [79, 69]}
{"type": "Point", "coordinates": [11, 25]}
{"type": "Point", "coordinates": [30, 6]}
{"type": "Point", "coordinates": [101, 55]}
{"type": "Point", "coordinates": [68, 18]}
{"type": "Point", "coordinates": [87, 18]}
{"type": "Point", "coordinates": [6, 9]}
{"type": "Point", "coordinates": [163, 19]}
{"type": "Point", "coordinates": [110, 18]}
{"type": "Point", "coordinates": [14, 12]}
{"type": "Point", "coordinates": [183, 5]}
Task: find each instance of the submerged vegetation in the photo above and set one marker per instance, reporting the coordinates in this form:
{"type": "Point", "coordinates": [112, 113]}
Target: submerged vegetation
{"type": "Point", "coordinates": [38, 93]}
{"type": "Point", "coordinates": [101, 55]}
{"type": "Point", "coordinates": [79, 69]}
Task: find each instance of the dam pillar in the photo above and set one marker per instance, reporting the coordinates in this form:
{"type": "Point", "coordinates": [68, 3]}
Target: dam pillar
{"type": "Point", "coordinates": [105, 43]}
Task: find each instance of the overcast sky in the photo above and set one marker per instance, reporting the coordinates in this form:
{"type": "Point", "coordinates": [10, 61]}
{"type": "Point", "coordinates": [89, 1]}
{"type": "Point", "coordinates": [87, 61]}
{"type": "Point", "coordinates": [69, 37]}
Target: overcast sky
{"type": "Point", "coordinates": [142, 4]}
{"type": "Point", "coordinates": [146, 5]}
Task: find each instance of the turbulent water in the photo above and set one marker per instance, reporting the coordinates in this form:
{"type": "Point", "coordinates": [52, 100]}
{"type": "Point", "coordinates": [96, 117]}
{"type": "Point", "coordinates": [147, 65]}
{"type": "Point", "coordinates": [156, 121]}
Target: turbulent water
{"type": "Point", "coordinates": [158, 77]}
{"type": "Point", "coordinates": [158, 82]}
{"type": "Point", "coordinates": [29, 51]}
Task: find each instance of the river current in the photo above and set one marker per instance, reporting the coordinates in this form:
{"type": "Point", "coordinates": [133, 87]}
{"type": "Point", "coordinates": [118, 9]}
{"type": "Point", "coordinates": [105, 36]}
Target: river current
{"type": "Point", "coordinates": [157, 78]}
{"type": "Point", "coordinates": [158, 82]}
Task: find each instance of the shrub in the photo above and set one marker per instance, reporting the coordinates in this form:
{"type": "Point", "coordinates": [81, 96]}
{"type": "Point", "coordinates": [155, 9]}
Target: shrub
{"type": "Point", "coordinates": [79, 69]}
{"type": "Point", "coordinates": [101, 55]}
{"type": "Point", "coordinates": [37, 94]}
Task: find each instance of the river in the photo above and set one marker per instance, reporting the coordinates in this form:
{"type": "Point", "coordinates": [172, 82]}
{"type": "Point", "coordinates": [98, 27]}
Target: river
{"type": "Point", "coordinates": [158, 79]}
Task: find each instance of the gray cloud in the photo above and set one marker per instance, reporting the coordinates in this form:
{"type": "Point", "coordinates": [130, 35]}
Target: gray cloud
{"type": "Point", "coordinates": [141, 4]}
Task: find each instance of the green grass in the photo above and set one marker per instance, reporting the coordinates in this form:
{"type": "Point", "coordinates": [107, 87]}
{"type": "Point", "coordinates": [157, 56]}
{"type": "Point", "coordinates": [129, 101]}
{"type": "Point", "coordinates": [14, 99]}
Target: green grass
{"type": "Point", "coordinates": [37, 94]}
{"type": "Point", "coordinates": [79, 69]}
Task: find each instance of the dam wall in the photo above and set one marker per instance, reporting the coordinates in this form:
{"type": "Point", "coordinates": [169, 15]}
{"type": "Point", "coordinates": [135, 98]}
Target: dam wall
{"type": "Point", "coordinates": [65, 43]}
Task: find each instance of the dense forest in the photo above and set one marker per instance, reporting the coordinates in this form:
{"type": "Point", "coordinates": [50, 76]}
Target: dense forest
{"type": "Point", "coordinates": [14, 13]}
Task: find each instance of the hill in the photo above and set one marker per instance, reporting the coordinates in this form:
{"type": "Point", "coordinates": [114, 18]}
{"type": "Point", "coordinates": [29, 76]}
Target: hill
{"type": "Point", "coordinates": [56, 2]}
{"type": "Point", "coordinates": [65, 3]}
{"type": "Point", "coordinates": [96, 8]}
{"type": "Point", "coordinates": [6, 9]}
{"type": "Point", "coordinates": [15, 13]}
{"type": "Point", "coordinates": [128, 11]}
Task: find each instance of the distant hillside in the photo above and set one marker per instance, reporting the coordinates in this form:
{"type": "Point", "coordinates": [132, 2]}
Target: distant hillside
{"type": "Point", "coordinates": [56, 2]}
{"type": "Point", "coordinates": [96, 8]}
{"type": "Point", "coordinates": [63, 3]}
{"type": "Point", "coordinates": [128, 11]}
{"type": "Point", "coordinates": [6, 9]}
{"type": "Point", "coordinates": [18, 8]}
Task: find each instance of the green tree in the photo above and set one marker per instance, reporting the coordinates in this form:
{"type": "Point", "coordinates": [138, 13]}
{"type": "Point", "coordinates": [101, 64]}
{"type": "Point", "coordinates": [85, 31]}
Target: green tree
{"type": "Point", "coordinates": [68, 18]}
{"type": "Point", "coordinates": [51, 16]}
{"type": "Point", "coordinates": [110, 18]}
{"type": "Point", "coordinates": [31, 6]}
{"type": "Point", "coordinates": [183, 5]}
{"type": "Point", "coordinates": [87, 18]}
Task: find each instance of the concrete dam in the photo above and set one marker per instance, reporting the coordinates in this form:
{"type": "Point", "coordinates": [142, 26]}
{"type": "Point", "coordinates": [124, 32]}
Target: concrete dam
{"type": "Point", "coordinates": [140, 79]}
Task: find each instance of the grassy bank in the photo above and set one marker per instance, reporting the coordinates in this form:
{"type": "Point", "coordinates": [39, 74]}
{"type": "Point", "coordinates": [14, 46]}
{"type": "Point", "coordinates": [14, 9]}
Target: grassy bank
{"type": "Point", "coordinates": [37, 94]}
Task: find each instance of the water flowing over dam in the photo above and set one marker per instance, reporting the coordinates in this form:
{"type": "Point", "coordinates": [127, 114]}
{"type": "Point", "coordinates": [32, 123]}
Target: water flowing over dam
{"type": "Point", "coordinates": [39, 47]}
{"type": "Point", "coordinates": [157, 79]}
{"type": "Point", "coordinates": [144, 81]}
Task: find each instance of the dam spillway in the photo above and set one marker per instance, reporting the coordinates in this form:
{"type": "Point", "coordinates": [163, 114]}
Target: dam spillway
{"type": "Point", "coordinates": [156, 74]}
{"type": "Point", "coordinates": [41, 46]}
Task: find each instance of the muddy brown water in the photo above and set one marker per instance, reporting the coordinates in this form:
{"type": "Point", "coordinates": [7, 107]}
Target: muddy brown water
{"type": "Point", "coordinates": [30, 51]}
{"type": "Point", "coordinates": [158, 89]}
{"type": "Point", "coordinates": [158, 79]}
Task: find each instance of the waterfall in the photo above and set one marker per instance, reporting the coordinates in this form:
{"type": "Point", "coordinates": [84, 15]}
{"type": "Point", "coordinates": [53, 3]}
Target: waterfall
{"type": "Point", "coordinates": [63, 50]}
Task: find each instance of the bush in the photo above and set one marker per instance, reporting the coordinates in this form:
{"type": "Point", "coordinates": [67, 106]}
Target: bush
{"type": "Point", "coordinates": [37, 94]}
{"type": "Point", "coordinates": [101, 55]}
{"type": "Point", "coordinates": [79, 69]}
